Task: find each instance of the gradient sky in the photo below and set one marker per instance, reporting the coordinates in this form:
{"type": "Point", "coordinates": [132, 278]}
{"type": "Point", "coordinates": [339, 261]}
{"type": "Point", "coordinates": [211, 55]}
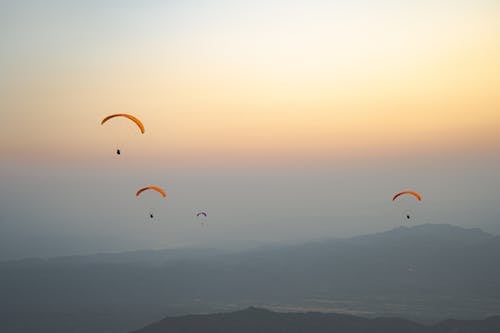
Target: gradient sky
{"type": "Point", "coordinates": [268, 113]}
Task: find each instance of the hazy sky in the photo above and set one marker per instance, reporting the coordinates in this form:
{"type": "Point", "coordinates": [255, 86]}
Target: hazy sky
{"type": "Point", "coordinates": [285, 120]}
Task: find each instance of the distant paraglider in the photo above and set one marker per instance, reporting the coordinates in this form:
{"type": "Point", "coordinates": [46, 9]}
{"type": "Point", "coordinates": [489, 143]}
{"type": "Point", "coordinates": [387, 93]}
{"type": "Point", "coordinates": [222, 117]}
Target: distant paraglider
{"type": "Point", "coordinates": [134, 119]}
{"type": "Point", "coordinates": [407, 212]}
{"type": "Point", "coordinates": [153, 216]}
{"type": "Point", "coordinates": [202, 216]}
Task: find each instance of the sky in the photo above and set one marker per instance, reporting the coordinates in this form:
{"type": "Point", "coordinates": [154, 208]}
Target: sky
{"type": "Point", "coordinates": [284, 120]}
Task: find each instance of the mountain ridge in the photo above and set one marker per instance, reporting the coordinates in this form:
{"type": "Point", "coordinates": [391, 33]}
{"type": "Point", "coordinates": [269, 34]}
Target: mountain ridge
{"type": "Point", "coordinates": [190, 252]}
{"type": "Point", "coordinates": [423, 273]}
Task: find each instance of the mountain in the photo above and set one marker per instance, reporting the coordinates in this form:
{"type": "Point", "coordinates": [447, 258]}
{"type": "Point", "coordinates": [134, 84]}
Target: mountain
{"type": "Point", "coordinates": [263, 321]}
{"type": "Point", "coordinates": [425, 273]}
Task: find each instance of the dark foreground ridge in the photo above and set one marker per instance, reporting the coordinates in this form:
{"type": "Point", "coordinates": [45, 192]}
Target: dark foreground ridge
{"type": "Point", "coordinates": [264, 321]}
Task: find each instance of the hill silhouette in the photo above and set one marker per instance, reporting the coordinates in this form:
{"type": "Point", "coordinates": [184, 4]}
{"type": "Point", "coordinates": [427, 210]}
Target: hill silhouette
{"type": "Point", "coordinates": [264, 321]}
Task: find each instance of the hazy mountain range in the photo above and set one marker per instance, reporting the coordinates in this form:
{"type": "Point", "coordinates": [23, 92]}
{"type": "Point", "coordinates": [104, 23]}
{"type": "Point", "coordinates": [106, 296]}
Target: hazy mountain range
{"type": "Point", "coordinates": [425, 273]}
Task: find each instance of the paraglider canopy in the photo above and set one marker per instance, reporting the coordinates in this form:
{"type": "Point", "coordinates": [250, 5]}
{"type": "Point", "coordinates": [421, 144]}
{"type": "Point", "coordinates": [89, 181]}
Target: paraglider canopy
{"type": "Point", "coordinates": [153, 188]}
{"type": "Point", "coordinates": [128, 116]}
{"type": "Point", "coordinates": [415, 194]}
{"type": "Point", "coordinates": [201, 214]}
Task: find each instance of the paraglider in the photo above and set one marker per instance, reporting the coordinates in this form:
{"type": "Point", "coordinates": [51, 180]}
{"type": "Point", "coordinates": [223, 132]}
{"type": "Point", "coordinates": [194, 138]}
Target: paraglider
{"type": "Point", "coordinates": [202, 216]}
{"type": "Point", "coordinates": [403, 194]}
{"type": "Point", "coordinates": [154, 189]}
{"type": "Point", "coordinates": [132, 118]}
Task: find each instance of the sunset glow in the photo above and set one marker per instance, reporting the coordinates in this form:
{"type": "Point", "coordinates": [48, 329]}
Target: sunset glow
{"type": "Point", "coordinates": [258, 81]}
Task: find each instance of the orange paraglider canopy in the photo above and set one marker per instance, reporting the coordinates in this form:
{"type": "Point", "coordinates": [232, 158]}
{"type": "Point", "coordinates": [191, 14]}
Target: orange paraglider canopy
{"type": "Point", "coordinates": [415, 194]}
{"type": "Point", "coordinates": [134, 119]}
{"type": "Point", "coordinates": [154, 188]}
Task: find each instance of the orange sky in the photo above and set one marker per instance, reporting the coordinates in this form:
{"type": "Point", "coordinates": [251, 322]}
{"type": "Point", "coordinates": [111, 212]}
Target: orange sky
{"type": "Point", "coordinates": [260, 82]}
{"type": "Point", "coordinates": [376, 96]}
